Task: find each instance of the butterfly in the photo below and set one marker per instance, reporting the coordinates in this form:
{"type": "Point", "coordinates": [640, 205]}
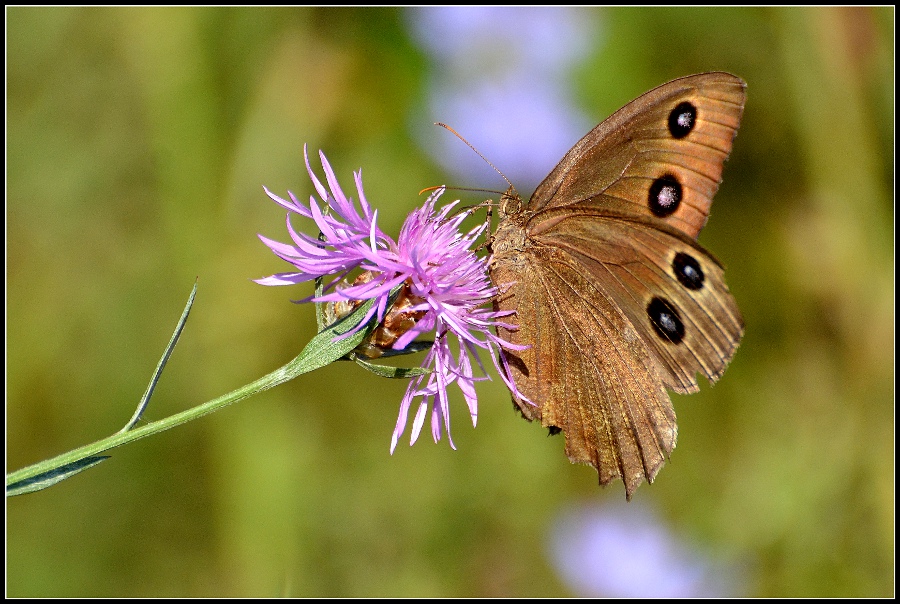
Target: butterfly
{"type": "Point", "coordinates": [612, 295]}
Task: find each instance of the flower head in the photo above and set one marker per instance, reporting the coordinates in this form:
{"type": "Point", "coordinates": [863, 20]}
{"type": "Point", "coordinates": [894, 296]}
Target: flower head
{"type": "Point", "coordinates": [445, 289]}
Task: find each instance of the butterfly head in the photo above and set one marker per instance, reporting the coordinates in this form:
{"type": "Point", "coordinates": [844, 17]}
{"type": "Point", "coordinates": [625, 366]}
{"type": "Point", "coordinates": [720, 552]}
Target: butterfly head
{"type": "Point", "coordinates": [510, 203]}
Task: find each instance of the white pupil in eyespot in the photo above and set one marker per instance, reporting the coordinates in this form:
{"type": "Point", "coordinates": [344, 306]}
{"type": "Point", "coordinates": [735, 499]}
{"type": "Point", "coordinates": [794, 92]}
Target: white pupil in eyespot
{"type": "Point", "coordinates": [666, 196]}
{"type": "Point", "coordinates": [667, 322]}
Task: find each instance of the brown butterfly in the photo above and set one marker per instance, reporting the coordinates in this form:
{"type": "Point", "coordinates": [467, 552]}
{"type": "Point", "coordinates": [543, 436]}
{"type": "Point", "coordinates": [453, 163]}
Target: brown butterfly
{"type": "Point", "coordinates": [611, 291]}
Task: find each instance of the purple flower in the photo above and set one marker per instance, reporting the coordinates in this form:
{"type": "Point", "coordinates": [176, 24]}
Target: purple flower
{"type": "Point", "coordinates": [445, 289]}
{"type": "Point", "coordinates": [618, 550]}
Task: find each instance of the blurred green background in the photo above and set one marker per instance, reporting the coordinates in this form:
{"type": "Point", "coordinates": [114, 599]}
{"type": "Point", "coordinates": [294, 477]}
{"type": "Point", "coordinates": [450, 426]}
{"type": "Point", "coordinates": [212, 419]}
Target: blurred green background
{"type": "Point", "coordinates": [137, 144]}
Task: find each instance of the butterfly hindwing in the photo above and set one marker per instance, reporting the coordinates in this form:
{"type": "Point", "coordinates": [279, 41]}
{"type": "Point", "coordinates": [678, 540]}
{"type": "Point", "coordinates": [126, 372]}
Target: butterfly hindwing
{"type": "Point", "coordinates": [649, 268]}
{"type": "Point", "coordinates": [628, 429]}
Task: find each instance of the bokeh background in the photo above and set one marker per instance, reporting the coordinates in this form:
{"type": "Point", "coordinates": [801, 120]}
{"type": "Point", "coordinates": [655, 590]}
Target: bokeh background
{"type": "Point", "coordinates": [138, 141]}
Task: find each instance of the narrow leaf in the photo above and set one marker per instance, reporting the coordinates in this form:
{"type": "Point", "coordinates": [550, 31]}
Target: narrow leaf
{"type": "Point", "coordinates": [412, 348]}
{"type": "Point", "coordinates": [391, 372]}
{"type": "Point", "coordinates": [145, 400]}
{"type": "Point", "coordinates": [325, 348]}
{"type": "Point", "coordinates": [51, 477]}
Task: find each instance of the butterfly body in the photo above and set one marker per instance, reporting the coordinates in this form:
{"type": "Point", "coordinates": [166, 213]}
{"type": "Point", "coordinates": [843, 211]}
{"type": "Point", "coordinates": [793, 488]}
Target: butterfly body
{"type": "Point", "coordinates": [613, 296]}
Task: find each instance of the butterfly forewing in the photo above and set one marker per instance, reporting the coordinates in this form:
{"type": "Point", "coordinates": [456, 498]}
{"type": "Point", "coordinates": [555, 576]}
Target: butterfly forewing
{"type": "Point", "coordinates": [612, 295]}
{"type": "Point", "coordinates": [635, 149]}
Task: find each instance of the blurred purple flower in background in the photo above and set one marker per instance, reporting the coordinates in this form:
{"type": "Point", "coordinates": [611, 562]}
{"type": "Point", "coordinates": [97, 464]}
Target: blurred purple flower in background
{"type": "Point", "coordinates": [501, 78]}
{"type": "Point", "coordinates": [444, 287]}
{"type": "Point", "coordinates": [625, 551]}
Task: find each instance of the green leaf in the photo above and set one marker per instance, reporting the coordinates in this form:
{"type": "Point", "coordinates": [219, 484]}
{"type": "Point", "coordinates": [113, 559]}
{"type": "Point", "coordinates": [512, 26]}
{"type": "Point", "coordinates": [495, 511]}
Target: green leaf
{"type": "Point", "coordinates": [145, 400]}
{"type": "Point", "coordinates": [391, 372]}
{"type": "Point", "coordinates": [324, 348]}
{"type": "Point", "coordinates": [412, 348]}
{"type": "Point", "coordinates": [51, 477]}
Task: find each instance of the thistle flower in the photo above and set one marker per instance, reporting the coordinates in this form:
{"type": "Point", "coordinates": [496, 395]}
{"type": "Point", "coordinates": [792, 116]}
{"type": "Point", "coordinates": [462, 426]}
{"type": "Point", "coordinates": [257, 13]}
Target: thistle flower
{"type": "Point", "coordinates": [445, 287]}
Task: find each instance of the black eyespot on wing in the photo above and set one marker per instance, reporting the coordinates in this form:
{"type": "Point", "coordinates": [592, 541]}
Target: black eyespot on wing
{"type": "Point", "coordinates": [682, 120]}
{"type": "Point", "coordinates": [665, 195]}
{"type": "Point", "coordinates": [665, 320]}
{"type": "Point", "coordinates": [688, 271]}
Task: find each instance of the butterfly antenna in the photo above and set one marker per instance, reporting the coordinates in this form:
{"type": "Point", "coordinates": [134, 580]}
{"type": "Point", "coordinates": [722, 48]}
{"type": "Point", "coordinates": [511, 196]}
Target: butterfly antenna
{"type": "Point", "coordinates": [459, 136]}
{"type": "Point", "coordinates": [452, 188]}
{"type": "Point", "coordinates": [467, 208]}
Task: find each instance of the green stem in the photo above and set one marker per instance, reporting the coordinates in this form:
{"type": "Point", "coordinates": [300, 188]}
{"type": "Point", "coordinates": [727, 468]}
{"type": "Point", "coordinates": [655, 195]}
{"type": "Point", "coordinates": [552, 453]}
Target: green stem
{"type": "Point", "coordinates": [121, 438]}
{"type": "Point", "coordinates": [324, 348]}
